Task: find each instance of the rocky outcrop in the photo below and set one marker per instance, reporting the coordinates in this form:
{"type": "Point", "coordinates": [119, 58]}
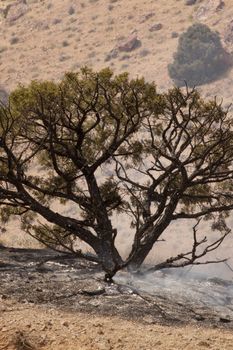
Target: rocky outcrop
{"type": "Point", "coordinates": [130, 44]}
{"type": "Point", "coordinates": [156, 27]}
{"type": "Point", "coordinates": [208, 8]}
{"type": "Point", "coordinates": [124, 45]}
{"type": "Point", "coordinates": [15, 10]}
{"type": "Point", "coordinates": [146, 17]}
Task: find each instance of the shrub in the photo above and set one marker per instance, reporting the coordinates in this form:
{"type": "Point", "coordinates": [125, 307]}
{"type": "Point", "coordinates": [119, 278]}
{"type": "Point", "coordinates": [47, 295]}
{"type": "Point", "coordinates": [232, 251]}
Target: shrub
{"type": "Point", "coordinates": [65, 43]}
{"type": "Point", "coordinates": [200, 57]}
{"type": "Point", "coordinates": [14, 40]}
{"type": "Point", "coordinates": [3, 48]}
{"type": "Point", "coordinates": [71, 10]}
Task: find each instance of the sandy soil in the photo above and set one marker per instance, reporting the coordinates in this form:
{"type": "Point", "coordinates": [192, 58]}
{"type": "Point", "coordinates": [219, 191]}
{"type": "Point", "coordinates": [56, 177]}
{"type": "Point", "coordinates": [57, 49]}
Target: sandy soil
{"type": "Point", "coordinates": [50, 39]}
{"type": "Point", "coordinates": [25, 326]}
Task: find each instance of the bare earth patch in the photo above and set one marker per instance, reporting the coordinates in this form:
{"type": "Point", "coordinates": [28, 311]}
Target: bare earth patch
{"type": "Point", "coordinates": [25, 326]}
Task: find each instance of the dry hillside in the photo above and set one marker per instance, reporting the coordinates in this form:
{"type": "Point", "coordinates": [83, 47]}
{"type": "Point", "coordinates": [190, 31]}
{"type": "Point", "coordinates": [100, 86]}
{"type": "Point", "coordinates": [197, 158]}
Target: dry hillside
{"type": "Point", "coordinates": [41, 39]}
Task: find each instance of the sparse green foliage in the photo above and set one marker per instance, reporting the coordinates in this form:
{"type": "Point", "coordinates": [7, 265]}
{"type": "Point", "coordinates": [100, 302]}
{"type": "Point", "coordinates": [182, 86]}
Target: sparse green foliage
{"type": "Point", "coordinates": [200, 57]}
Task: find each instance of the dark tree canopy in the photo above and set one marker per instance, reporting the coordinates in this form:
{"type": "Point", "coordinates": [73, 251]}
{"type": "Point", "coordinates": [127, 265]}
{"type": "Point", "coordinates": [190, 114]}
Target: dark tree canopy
{"type": "Point", "coordinates": [107, 145]}
{"type": "Point", "coordinates": [200, 57]}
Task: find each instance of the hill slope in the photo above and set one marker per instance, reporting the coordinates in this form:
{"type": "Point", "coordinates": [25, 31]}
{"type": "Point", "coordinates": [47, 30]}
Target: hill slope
{"type": "Point", "coordinates": [42, 39]}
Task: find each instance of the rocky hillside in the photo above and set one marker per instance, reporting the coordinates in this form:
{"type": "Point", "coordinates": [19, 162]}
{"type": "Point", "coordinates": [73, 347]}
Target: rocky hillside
{"type": "Point", "coordinates": [41, 39]}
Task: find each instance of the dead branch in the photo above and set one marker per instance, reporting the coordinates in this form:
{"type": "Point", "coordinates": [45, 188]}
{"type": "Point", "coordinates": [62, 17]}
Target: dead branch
{"type": "Point", "coordinates": [192, 257]}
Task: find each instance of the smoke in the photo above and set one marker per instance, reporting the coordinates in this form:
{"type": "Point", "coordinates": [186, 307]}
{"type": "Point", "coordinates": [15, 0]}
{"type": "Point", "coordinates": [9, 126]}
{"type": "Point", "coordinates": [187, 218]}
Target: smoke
{"type": "Point", "coordinates": [187, 286]}
{"type": "Point", "coordinates": [178, 238]}
{"type": "Point", "coordinates": [199, 286]}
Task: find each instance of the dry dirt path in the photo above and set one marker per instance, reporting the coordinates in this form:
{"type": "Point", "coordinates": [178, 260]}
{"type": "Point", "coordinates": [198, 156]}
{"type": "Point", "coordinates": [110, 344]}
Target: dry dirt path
{"type": "Point", "coordinates": [25, 326]}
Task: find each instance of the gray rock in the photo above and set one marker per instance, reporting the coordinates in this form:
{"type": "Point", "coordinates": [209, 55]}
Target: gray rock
{"type": "Point", "coordinates": [16, 10]}
{"type": "Point", "coordinates": [147, 17]}
{"type": "Point", "coordinates": [111, 55]}
{"type": "Point", "coordinates": [190, 2]}
{"type": "Point", "coordinates": [130, 44]}
{"type": "Point", "coordinates": [174, 35]}
{"type": "Point", "coordinates": [156, 27]}
{"type": "Point", "coordinates": [208, 8]}
{"type": "Point", "coordinates": [199, 318]}
{"type": "Point", "coordinates": [149, 319]}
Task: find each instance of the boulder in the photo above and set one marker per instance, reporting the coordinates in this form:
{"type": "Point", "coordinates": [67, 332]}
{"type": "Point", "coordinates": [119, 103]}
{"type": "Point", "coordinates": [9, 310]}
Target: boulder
{"type": "Point", "coordinates": [111, 55]}
{"type": "Point", "coordinates": [16, 10]}
{"type": "Point", "coordinates": [208, 8]}
{"type": "Point", "coordinates": [156, 27]}
{"type": "Point", "coordinates": [146, 17]}
{"type": "Point", "coordinates": [130, 44]}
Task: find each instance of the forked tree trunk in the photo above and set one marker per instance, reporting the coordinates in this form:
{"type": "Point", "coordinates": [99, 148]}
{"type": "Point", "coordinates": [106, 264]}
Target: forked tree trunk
{"type": "Point", "coordinates": [140, 256]}
{"type": "Point", "coordinates": [143, 249]}
{"type": "Point", "coordinates": [111, 260]}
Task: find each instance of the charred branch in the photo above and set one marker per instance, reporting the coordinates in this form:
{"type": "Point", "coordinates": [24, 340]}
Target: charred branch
{"type": "Point", "coordinates": [193, 256]}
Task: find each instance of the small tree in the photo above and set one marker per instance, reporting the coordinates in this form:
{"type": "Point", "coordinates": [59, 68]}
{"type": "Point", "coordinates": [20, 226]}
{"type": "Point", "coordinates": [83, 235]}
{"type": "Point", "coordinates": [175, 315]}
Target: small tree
{"type": "Point", "coordinates": [200, 57]}
{"type": "Point", "coordinates": [169, 157]}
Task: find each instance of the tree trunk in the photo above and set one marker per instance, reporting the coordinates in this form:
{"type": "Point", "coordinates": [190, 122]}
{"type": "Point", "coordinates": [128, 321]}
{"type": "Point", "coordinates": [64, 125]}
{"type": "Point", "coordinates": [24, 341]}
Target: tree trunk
{"type": "Point", "coordinates": [139, 256]}
{"type": "Point", "coordinates": [110, 259]}
{"type": "Point", "coordinates": [143, 249]}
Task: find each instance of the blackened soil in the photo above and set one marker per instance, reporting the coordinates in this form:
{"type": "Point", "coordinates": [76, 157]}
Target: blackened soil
{"type": "Point", "coordinates": [46, 277]}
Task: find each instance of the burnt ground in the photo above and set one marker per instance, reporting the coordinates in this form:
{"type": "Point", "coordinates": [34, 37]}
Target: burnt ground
{"type": "Point", "coordinates": [44, 277]}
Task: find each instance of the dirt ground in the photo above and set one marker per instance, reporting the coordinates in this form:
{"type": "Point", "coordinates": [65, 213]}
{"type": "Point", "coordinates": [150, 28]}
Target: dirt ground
{"type": "Point", "coordinates": [49, 40]}
{"type": "Point", "coordinates": [25, 326]}
{"type": "Point", "coordinates": [65, 305]}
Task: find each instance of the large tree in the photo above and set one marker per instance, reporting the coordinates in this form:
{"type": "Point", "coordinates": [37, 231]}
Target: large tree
{"type": "Point", "coordinates": [106, 145]}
